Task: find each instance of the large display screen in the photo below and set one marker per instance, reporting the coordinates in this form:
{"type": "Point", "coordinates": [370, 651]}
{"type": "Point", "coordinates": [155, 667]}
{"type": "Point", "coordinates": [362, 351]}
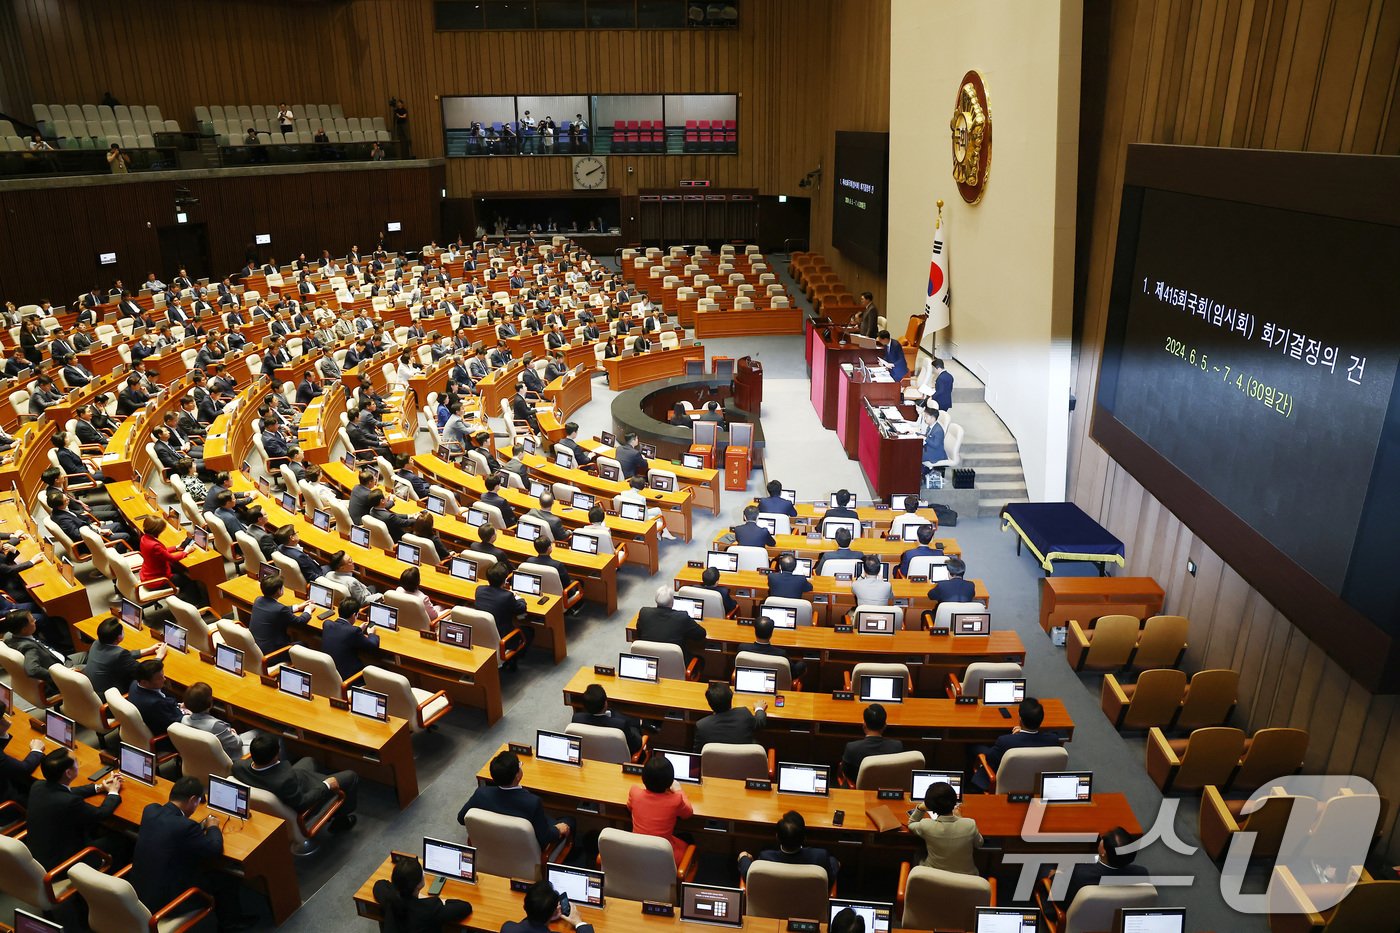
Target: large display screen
{"type": "Point", "coordinates": [859, 198]}
{"type": "Point", "coordinates": [1248, 377]}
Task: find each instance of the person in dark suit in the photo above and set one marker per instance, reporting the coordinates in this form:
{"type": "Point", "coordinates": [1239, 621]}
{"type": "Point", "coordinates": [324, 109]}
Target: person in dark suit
{"type": "Point", "coordinates": [728, 723]}
{"type": "Point", "coordinates": [662, 623]}
{"type": "Point", "coordinates": [629, 457]}
{"type": "Point", "coordinates": [60, 823]}
{"type": "Point", "coordinates": [1025, 735]}
{"type": "Point", "coordinates": [309, 388]}
{"type": "Point", "coordinates": [1111, 863]}
{"type": "Point", "coordinates": [942, 386]}
{"type": "Point", "coordinates": [843, 550]}
{"type": "Point", "coordinates": [289, 545]}
{"type": "Point", "coordinates": [71, 523]}
{"type": "Point", "coordinates": [774, 503]}
{"type": "Point", "coordinates": [85, 430]}
{"type": "Point", "coordinates": [271, 618]}
{"type": "Point", "coordinates": [874, 742]}
{"type": "Point", "coordinates": [297, 785]}
{"type": "Point", "coordinates": [542, 908]}
{"type": "Point", "coordinates": [595, 712]}
{"type": "Point", "coordinates": [344, 637]}
{"type": "Point", "coordinates": [923, 549]}
{"type": "Point", "coordinates": [493, 498]}
{"type": "Point", "coordinates": [763, 644]}
{"type": "Point", "coordinates": [505, 796]}
{"type": "Point", "coordinates": [521, 410]}
{"type": "Point", "coordinates": [869, 316]}
{"type": "Point", "coordinates": [147, 693]}
{"type": "Point", "coordinates": [751, 533]}
{"type": "Point", "coordinates": [842, 508]}
{"type": "Point", "coordinates": [381, 507]}
{"type": "Point", "coordinates": [581, 454]}
{"type": "Point", "coordinates": [713, 414]}
{"type": "Point", "coordinates": [792, 849]}
{"type": "Point", "coordinates": [359, 496]}
{"type": "Point", "coordinates": [173, 852]}
{"type": "Point", "coordinates": [16, 774]}
{"type": "Point", "coordinates": [111, 665]}
{"type": "Point", "coordinates": [709, 580]}
{"type": "Point", "coordinates": [543, 549]}
{"type": "Point", "coordinates": [892, 356]}
{"type": "Point", "coordinates": [406, 910]}
{"type": "Point", "coordinates": [500, 603]}
{"type": "Point", "coordinates": [954, 589]}
{"type": "Point", "coordinates": [786, 583]}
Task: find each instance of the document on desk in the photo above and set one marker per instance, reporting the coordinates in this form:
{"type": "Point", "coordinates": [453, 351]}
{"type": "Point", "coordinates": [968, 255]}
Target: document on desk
{"type": "Point", "coordinates": [891, 413]}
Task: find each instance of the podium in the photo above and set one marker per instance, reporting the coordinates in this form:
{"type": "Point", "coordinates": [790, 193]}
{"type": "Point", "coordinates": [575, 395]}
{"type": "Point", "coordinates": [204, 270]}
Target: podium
{"type": "Point", "coordinates": [738, 456]}
{"type": "Point", "coordinates": [891, 464]}
{"type": "Point", "coordinates": [854, 386]}
{"type": "Point", "coordinates": [748, 385]}
{"type": "Point", "coordinates": [704, 439]}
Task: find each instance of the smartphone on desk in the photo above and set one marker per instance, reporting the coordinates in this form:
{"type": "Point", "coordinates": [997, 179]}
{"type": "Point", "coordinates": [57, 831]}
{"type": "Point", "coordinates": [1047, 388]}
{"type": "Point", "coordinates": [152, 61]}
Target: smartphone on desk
{"type": "Point", "coordinates": [436, 887]}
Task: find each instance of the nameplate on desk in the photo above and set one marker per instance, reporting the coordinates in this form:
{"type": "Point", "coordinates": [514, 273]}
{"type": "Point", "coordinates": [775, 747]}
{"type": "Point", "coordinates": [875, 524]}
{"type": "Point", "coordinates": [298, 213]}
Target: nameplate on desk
{"type": "Point", "coordinates": [1018, 798]}
{"type": "Point", "coordinates": [901, 603]}
{"type": "Point", "coordinates": [938, 631]}
{"type": "Point", "coordinates": [889, 793]}
{"type": "Point", "coordinates": [424, 633]}
{"type": "Point", "coordinates": [966, 701]}
{"type": "Point", "coordinates": [525, 751]}
{"type": "Point", "coordinates": [819, 599]}
{"type": "Point", "coordinates": [206, 658]}
{"type": "Point", "coordinates": [588, 806]}
{"type": "Point", "coordinates": [843, 695]}
{"type": "Point", "coordinates": [804, 926]}
{"type": "Point", "coordinates": [843, 629]}
{"type": "Point", "coordinates": [630, 768]}
{"type": "Point", "coordinates": [657, 909]}
{"type": "Point", "coordinates": [757, 784]}
{"type": "Point", "coordinates": [267, 681]}
{"type": "Point", "coordinates": [841, 577]}
{"type": "Point", "coordinates": [519, 886]}
{"type": "Point", "coordinates": [765, 570]}
{"type": "Point", "coordinates": [695, 564]}
{"type": "Point", "coordinates": [602, 670]}
{"type": "Point", "coordinates": [919, 578]}
{"type": "Point", "coordinates": [880, 507]}
{"type": "Point", "coordinates": [337, 703]}
{"type": "Point", "coordinates": [717, 826]}
{"type": "Point", "coordinates": [748, 622]}
{"type": "Point", "coordinates": [814, 536]}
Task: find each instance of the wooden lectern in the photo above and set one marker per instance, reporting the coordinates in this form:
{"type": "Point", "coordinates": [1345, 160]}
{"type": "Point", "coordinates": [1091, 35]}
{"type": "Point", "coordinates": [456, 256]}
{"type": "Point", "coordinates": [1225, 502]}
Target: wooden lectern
{"type": "Point", "coordinates": [748, 385]}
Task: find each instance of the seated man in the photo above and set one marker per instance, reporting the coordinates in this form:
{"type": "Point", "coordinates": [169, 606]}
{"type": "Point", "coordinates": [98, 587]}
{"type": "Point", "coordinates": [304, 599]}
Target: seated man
{"type": "Point", "coordinates": [763, 644]}
{"type": "Point", "coordinates": [61, 822]}
{"type": "Point", "coordinates": [751, 533]}
{"type": "Point", "coordinates": [297, 785]}
{"type": "Point", "coordinates": [595, 712]}
{"type": "Point", "coordinates": [662, 623]}
{"type": "Point", "coordinates": [1025, 735]}
{"type": "Point", "coordinates": [345, 637]}
{"type": "Point", "coordinates": [842, 508]}
{"type": "Point", "coordinates": [111, 665]}
{"type": "Point", "coordinates": [709, 580]}
{"type": "Point", "coordinates": [499, 602]}
{"type": "Point", "coordinates": [792, 849]}
{"type": "Point", "coordinates": [925, 548]}
{"type": "Point", "coordinates": [1111, 863]}
{"type": "Point", "coordinates": [543, 551]}
{"type": "Point", "coordinates": [774, 503]}
{"type": "Point", "coordinates": [492, 497]}
{"type": "Point", "coordinates": [843, 551]}
{"type": "Point", "coordinates": [873, 743]}
{"type": "Point", "coordinates": [954, 589]}
{"type": "Point", "coordinates": [871, 588]}
{"type": "Point", "coordinates": [199, 701]}
{"type": "Point", "coordinates": [949, 837]}
{"type": "Point", "coordinates": [545, 513]}
{"type": "Point", "coordinates": [505, 796]}
{"type": "Point", "coordinates": [727, 723]}
{"type": "Point", "coordinates": [289, 545]}
{"type": "Point", "coordinates": [158, 709]}
{"type": "Point", "coordinates": [271, 618]}
{"type": "Point", "coordinates": [543, 907]}
{"type": "Point", "coordinates": [786, 583]}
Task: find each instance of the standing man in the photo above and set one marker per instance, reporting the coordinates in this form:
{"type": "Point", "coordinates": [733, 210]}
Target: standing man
{"type": "Point", "coordinates": [869, 316]}
{"type": "Point", "coordinates": [401, 126]}
{"type": "Point", "coordinates": [942, 386]}
{"type": "Point", "coordinates": [892, 356]}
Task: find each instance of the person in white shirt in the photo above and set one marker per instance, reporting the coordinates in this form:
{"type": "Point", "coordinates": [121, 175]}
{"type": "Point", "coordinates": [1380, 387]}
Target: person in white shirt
{"type": "Point", "coordinates": [285, 121]}
{"type": "Point", "coordinates": [872, 589]}
{"type": "Point", "coordinates": [635, 494]}
{"type": "Point", "coordinates": [341, 570]}
{"type": "Point", "coordinates": [407, 369]}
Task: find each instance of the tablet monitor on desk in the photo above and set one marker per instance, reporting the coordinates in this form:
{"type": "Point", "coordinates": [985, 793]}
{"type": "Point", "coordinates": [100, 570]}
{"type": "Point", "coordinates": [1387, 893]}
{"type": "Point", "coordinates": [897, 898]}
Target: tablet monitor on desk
{"type": "Point", "coordinates": [755, 680]}
{"type": "Point", "coordinates": [790, 495]}
{"type": "Point", "coordinates": [59, 728]}
{"type": "Point", "coordinates": [294, 682]}
{"type": "Point", "coordinates": [692, 461]}
{"type": "Point", "coordinates": [463, 569]}
{"type": "Point", "coordinates": [321, 596]}
{"type": "Point", "coordinates": [583, 544]}
{"type": "Point", "coordinates": [408, 553]}
{"type": "Point", "coordinates": [359, 536]}
{"type": "Point", "coordinates": [695, 608]}
{"type": "Point", "coordinates": [638, 667]}
{"type": "Point", "coordinates": [1003, 691]}
{"type": "Point", "coordinates": [230, 659]}
{"type": "Point", "coordinates": [803, 568]}
{"type": "Point", "coordinates": [1137, 920]}
{"type": "Point", "coordinates": [384, 616]}
{"type": "Point", "coordinates": [228, 797]}
{"type": "Point", "coordinates": [768, 524]}
{"type": "Point", "coordinates": [1067, 786]}
{"type": "Point", "coordinates": [175, 637]}
{"type": "Point", "coordinates": [455, 633]}
{"type": "Point", "coordinates": [722, 561]}
{"type": "Point", "coordinates": [583, 886]}
{"type": "Point", "coordinates": [663, 482]}
{"type": "Point", "coordinates": [268, 570]}
{"type": "Point", "coordinates": [131, 613]}
{"type": "Point", "coordinates": [607, 439]}
{"type": "Point", "coordinates": [527, 531]}
{"type": "Point", "coordinates": [632, 511]}
{"type": "Point", "coordinates": [477, 518]}
{"type": "Point", "coordinates": [878, 622]}
{"type": "Point", "coordinates": [1007, 920]}
{"type": "Point", "coordinates": [288, 501]}
{"type": "Point", "coordinates": [321, 519]}
{"type": "Point", "coordinates": [436, 504]}
{"type": "Point", "coordinates": [527, 443]}
{"type": "Point", "coordinates": [876, 914]}
{"type": "Point", "coordinates": [449, 860]}
{"type": "Point", "coordinates": [558, 746]}
{"type": "Point", "coordinates": [138, 764]}
{"type": "Point", "coordinates": [648, 451]}
{"type": "Point", "coordinates": [972, 623]}
{"type": "Point", "coordinates": [709, 903]}
{"type": "Point", "coordinates": [781, 616]}
{"type": "Point", "coordinates": [200, 536]}
{"type": "Point", "coordinates": [686, 764]}
{"type": "Point", "coordinates": [526, 584]}
{"type": "Point", "coordinates": [536, 488]}
{"type": "Point", "coordinates": [910, 531]}
{"type": "Point", "coordinates": [564, 458]}
{"type": "Point", "coordinates": [26, 922]}
{"type": "Point", "coordinates": [812, 780]}
{"type": "Point", "coordinates": [369, 703]}
{"type": "Point", "coordinates": [854, 503]}
{"type": "Point", "coordinates": [881, 688]}
{"type": "Point", "coordinates": [922, 780]}
{"type": "Point", "coordinates": [583, 502]}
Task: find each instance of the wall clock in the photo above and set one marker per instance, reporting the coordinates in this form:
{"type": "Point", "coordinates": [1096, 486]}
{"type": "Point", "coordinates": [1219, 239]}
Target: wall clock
{"type": "Point", "coordinates": [590, 172]}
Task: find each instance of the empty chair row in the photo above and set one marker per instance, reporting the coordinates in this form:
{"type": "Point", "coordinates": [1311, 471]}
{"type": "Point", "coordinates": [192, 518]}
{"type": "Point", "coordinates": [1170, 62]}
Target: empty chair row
{"type": "Point", "coordinates": [1115, 642]}
{"type": "Point", "coordinates": [66, 129]}
{"type": "Point", "coordinates": [231, 125]}
{"type": "Point", "coordinates": [96, 113]}
{"type": "Point", "coordinates": [250, 112]}
{"type": "Point", "coordinates": [1164, 699]}
{"type": "Point", "coordinates": [303, 138]}
{"type": "Point", "coordinates": [1224, 757]}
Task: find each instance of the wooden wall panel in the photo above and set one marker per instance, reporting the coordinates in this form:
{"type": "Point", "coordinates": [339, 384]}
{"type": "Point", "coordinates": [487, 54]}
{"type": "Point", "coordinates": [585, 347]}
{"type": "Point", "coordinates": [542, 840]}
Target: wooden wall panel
{"type": "Point", "coordinates": [1316, 75]}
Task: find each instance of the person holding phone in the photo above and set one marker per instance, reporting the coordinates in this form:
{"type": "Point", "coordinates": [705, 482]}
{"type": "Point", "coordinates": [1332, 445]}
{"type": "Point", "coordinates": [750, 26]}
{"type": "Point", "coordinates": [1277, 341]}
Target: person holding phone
{"type": "Point", "coordinates": [543, 906]}
{"type": "Point", "coordinates": [407, 909]}
{"type": "Point", "coordinates": [949, 837]}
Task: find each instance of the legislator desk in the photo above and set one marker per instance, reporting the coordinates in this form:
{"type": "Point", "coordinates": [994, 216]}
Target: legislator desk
{"type": "Point", "coordinates": [544, 614]}
{"type": "Point", "coordinates": [877, 517]}
{"type": "Point", "coordinates": [65, 408]}
{"type": "Point", "coordinates": [852, 389]}
{"type": "Point", "coordinates": [1087, 598]}
{"type": "Point", "coordinates": [125, 454]}
{"type": "Point", "coordinates": [892, 464]}
{"type": "Point", "coordinates": [498, 386]}
{"type": "Point", "coordinates": [702, 482]}
{"type": "Point", "coordinates": [830, 599]}
{"type": "Point", "coordinates": [579, 353]}
{"type": "Point", "coordinates": [640, 538]}
{"type": "Point", "coordinates": [752, 322]}
{"type": "Point", "coordinates": [469, 676]}
{"type": "Point", "coordinates": [50, 582]}
{"type": "Point", "coordinates": [828, 352]}
{"type": "Point", "coordinates": [888, 551]}
{"type": "Point", "coordinates": [631, 369]}
{"type": "Point", "coordinates": [258, 848]}
{"type": "Point", "coordinates": [101, 359]}
{"type": "Point", "coordinates": [204, 565]}
{"type": "Point", "coordinates": [814, 724]}
{"type": "Point", "coordinates": [379, 751]}
{"type": "Point", "coordinates": [675, 506]}
{"type": "Point", "coordinates": [569, 392]}
{"type": "Point", "coordinates": [830, 654]}
{"type": "Point", "coordinates": [319, 422]}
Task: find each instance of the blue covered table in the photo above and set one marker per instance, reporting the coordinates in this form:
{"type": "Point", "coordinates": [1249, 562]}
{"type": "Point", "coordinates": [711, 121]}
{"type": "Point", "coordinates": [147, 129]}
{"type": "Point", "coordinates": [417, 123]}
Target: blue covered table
{"type": "Point", "coordinates": [1061, 531]}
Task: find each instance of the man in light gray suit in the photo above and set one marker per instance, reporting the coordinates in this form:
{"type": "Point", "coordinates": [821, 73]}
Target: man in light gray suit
{"type": "Point", "coordinates": [872, 589]}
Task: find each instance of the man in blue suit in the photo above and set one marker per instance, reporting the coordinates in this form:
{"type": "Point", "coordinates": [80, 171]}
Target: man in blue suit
{"type": "Point", "coordinates": [505, 796]}
{"type": "Point", "coordinates": [774, 502]}
{"type": "Point", "coordinates": [942, 386]}
{"type": "Point", "coordinates": [792, 849]}
{"type": "Point", "coordinates": [630, 458]}
{"type": "Point", "coordinates": [787, 584]}
{"type": "Point", "coordinates": [1026, 735]}
{"type": "Point", "coordinates": [542, 908]}
{"type": "Point", "coordinates": [923, 550]}
{"type": "Point", "coordinates": [843, 551]}
{"type": "Point", "coordinates": [892, 356]}
{"type": "Point", "coordinates": [751, 533]}
{"type": "Point", "coordinates": [954, 589]}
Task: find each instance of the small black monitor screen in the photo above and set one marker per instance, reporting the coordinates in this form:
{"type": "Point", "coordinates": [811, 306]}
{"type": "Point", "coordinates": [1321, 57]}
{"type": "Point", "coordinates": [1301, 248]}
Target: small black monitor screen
{"type": "Point", "coordinates": [228, 797]}
{"type": "Point", "coordinates": [29, 923]}
{"type": "Point", "coordinates": [449, 859]}
{"type": "Point", "coordinates": [686, 765]}
{"type": "Point", "coordinates": [583, 885]}
{"type": "Point", "coordinates": [858, 198]}
{"type": "Point", "coordinates": [876, 914]}
{"type": "Point", "coordinates": [705, 903]}
{"type": "Point", "coordinates": [455, 633]}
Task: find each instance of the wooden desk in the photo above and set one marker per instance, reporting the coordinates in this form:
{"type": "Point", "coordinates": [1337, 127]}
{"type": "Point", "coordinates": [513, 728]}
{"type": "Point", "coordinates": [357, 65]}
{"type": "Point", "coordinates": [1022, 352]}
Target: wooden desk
{"type": "Point", "coordinates": [260, 847]}
{"type": "Point", "coordinates": [675, 506]}
{"type": "Point", "coordinates": [878, 517]}
{"type": "Point", "coordinates": [888, 551]}
{"type": "Point", "coordinates": [703, 483]}
{"type": "Point", "coordinates": [830, 655]}
{"type": "Point", "coordinates": [813, 724]}
{"type": "Point", "coordinates": [850, 393]}
{"type": "Point", "coordinates": [497, 386]}
{"type": "Point", "coordinates": [1085, 598]}
{"type": "Point", "coordinates": [827, 357]}
{"type": "Point", "coordinates": [569, 393]}
{"type": "Point", "coordinates": [204, 566]}
{"type": "Point", "coordinates": [469, 677]}
{"type": "Point", "coordinates": [732, 323]}
{"type": "Point", "coordinates": [892, 465]}
{"type": "Point", "coordinates": [46, 583]}
{"type": "Point", "coordinates": [381, 751]}
{"type": "Point", "coordinates": [624, 372]}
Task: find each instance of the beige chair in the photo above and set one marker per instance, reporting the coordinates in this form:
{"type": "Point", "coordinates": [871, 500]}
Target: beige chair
{"type": "Point", "coordinates": [1105, 647]}
{"type": "Point", "coordinates": [738, 762]}
{"type": "Point", "coordinates": [379, 536]}
{"type": "Point", "coordinates": [32, 691]}
{"type": "Point", "coordinates": [894, 770]}
{"type": "Point", "coordinates": [601, 743]}
{"type": "Point", "coordinates": [197, 623]}
{"type": "Point", "coordinates": [1162, 642]}
{"type": "Point", "coordinates": [412, 613]}
{"type": "Point", "coordinates": [422, 708]}
{"type": "Point", "coordinates": [978, 671]}
{"type": "Point", "coordinates": [1096, 907]}
{"type": "Point", "coordinates": [305, 827]}
{"type": "Point", "coordinates": [803, 607]}
{"type": "Point", "coordinates": [143, 592]}
{"type": "Point", "coordinates": [1153, 701]}
{"type": "Point", "coordinates": [774, 887]}
{"type": "Point", "coordinates": [551, 585]}
{"type": "Point", "coordinates": [427, 550]}
{"type": "Point", "coordinates": [1207, 756]}
{"type": "Point", "coordinates": [222, 540]}
{"type": "Point", "coordinates": [671, 660]}
{"type": "Point", "coordinates": [325, 679]}
{"type": "Point", "coordinates": [1020, 768]}
{"type": "Point", "coordinates": [1210, 699]}
{"type": "Point", "coordinates": [780, 666]}
{"type": "Point", "coordinates": [252, 554]}
{"type": "Point", "coordinates": [1219, 819]}
{"type": "Point", "coordinates": [1370, 906]}
{"type": "Point", "coordinates": [943, 617]}
{"type": "Point", "coordinates": [1270, 754]}
{"type": "Point", "coordinates": [643, 868]}
{"type": "Point", "coordinates": [714, 603]}
{"type": "Point", "coordinates": [934, 899]}
{"type": "Point", "coordinates": [237, 636]}
{"type": "Point", "coordinates": [133, 728]}
{"type": "Point", "coordinates": [23, 878]}
{"type": "Point", "coordinates": [201, 753]}
{"type": "Point", "coordinates": [484, 633]}
{"type": "Point", "coordinates": [506, 845]}
{"type": "Point", "coordinates": [879, 669]}
{"type": "Point", "coordinates": [81, 702]}
{"type": "Point", "coordinates": [113, 906]}
{"type": "Point", "coordinates": [291, 573]}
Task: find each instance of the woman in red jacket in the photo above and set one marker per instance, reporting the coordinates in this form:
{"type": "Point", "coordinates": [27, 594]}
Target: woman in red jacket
{"type": "Point", "coordinates": [159, 561]}
{"type": "Point", "coordinates": [659, 803]}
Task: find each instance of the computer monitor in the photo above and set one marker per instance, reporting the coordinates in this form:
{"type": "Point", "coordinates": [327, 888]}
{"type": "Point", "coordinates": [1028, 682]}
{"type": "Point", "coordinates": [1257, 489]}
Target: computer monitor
{"type": "Point", "coordinates": [557, 746]}
{"type": "Point", "coordinates": [854, 503]}
{"type": "Point", "coordinates": [782, 616]}
{"type": "Point", "coordinates": [922, 780]}
{"type": "Point", "coordinates": [686, 764]}
{"type": "Point", "coordinates": [455, 633]}
{"type": "Point", "coordinates": [877, 622]}
{"type": "Point", "coordinates": [269, 570]}
{"type": "Point", "coordinates": [130, 613]}
{"type": "Point", "coordinates": [59, 728]}
{"type": "Point", "coordinates": [692, 461]}
{"type": "Point", "coordinates": [691, 606]}
{"type": "Point", "coordinates": [7, 696]}
{"type": "Point", "coordinates": [663, 482]}
{"type": "Point", "coordinates": [711, 903]}
{"type": "Point", "coordinates": [788, 494]}
{"type": "Point", "coordinates": [584, 886]}
{"type": "Point", "coordinates": [803, 566]}
{"type": "Point", "coordinates": [449, 859]}
{"type": "Point", "coordinates": [321, 519]}
{"type": "Point", "coordinates": [722, 561]}
{"type": "Point", "coordinates": [527, 444]}
{"type": "Point", "coordinates": [881, 688]}
{"type": "Point", "coordinates": [811, 780]}
{"type": "Point", "coordinates": [607, 439]}
{"type": "Point", "coordinates": [477, 518]}
{"type": "Point", "coordinates": [527, 531]}
{"type": "Point", "coordinates": [321, 596]}
{"type": "Point", "coordinates": [971, 623]}
{"type": "Point", "coordinates": [463, 568]}
{"type": "Point", "coordinates": [228, 797]}
{"type": "Point", "coordinates": [287, 501]}
{"type": "Point", "coordinates": [583, 544]}
{"type": "Point", "coordinates": [648, 451]}
{"type": "Point", "coordinates": [910, 531]}
{"type": "Point", "coordinates": [200, 536]}
{"type": "Point", "coordinates": [230, 659]}
{"type": "Point", "coordinates": [564, 458]}
{"type": "Point", "coordinates": [1066, 786]}
{"type": "Point", "coordinates": [1137, 920]}
{"type": "Point", "coordinates": [755, 680]}
{"type": "Point", "coordinates": [526, 584]}
{"type": "Point", "coordinates": [136, 763]}
{"type": "Point", "coordinates": [359, 536]}
{"type": "Point", "coordinates": [831, 526]}
{"type": "Point", "coordinates": [583, 502]}
{"type": "Point", "coordinates": [294, 682]}
{"type": "Point", "coordinates": [384, 616]}
{"type": "Point", "coordinates": [435, 504]}
{"type": "Point", "coordinates": [26, 922]}
{"type": "Point", "coordinates": [175, 637]}
{"type": "Point", "coordinates": [1003, 691]}
{"type": "Point", "coordinates": [369, 703]}
{"type": "Point", "coordinates": [632, 511]}
{"type": "Point", "coordinates": [609, 472]}
{"type": "Point", "coordinates": [768, 523]}
{"type": "Point", "coordinates": [1007, 920]}
{"type": "Point", "coordinates": [346, 458]}
{"type": "Point", "coordinates": [638, 667]}
{"type": "Point", "coordinates": [408, 553]}
{"type": "Point", "coordinates": [876, 914]}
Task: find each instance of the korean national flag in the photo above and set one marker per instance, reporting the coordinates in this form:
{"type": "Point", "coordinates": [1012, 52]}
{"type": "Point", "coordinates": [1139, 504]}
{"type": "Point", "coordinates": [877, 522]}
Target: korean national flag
{"type": "Point", "coordinates": [939, 300]}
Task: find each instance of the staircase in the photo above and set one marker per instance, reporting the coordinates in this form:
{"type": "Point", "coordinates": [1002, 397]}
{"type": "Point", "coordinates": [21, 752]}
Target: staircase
{"type": "Point", "coordinates": [988, 448]}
